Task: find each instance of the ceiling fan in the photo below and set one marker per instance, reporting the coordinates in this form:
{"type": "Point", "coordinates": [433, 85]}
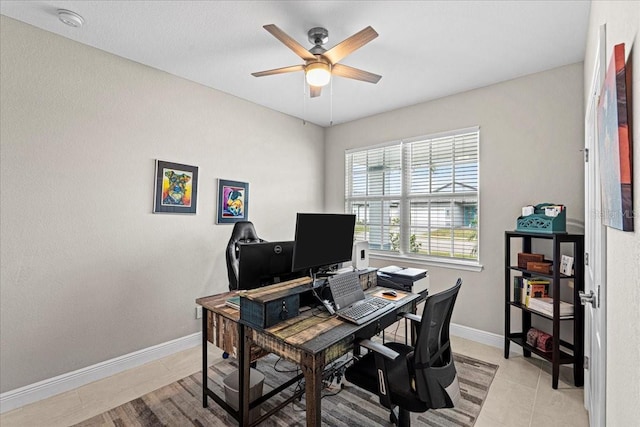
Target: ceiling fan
{"type": "Point", "coordinates": [319, 63]}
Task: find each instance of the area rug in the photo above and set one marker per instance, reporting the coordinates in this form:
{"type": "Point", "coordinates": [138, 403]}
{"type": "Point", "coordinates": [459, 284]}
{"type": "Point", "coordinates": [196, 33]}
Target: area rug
{"type": "Point", "coordinates": [180, 403]}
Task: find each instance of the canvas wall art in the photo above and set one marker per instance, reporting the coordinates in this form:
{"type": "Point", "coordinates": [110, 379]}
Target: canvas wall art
{"type": "Point", "coordinates": [233, 201]}
{"type": "Point", "coordinates": [176, 188]}
{"type": "Point", "coordinates": [615, 144]}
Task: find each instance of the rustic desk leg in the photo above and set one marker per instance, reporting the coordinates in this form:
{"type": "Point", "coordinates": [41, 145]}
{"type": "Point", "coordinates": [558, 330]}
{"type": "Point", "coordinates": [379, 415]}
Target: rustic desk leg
{"type": "Point", "coordinates": [205, 333]}
{"type": "Point", "coordinates": [312, 368]}
{"type": "Point", "coordinates": [244, 358]}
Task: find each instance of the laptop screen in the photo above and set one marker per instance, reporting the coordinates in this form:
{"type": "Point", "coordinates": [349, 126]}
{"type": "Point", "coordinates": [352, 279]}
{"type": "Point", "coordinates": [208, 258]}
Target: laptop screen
{"type": "Point", "coordinates": [346, 289]}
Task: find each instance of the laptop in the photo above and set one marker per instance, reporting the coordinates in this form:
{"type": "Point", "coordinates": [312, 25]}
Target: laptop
{"type": "Point", "coordinates": [350, 301]}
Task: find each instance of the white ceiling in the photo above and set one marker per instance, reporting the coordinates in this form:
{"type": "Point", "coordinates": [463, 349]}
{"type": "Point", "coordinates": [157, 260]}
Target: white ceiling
{"type": "Point", "coordinates": [425, 49]}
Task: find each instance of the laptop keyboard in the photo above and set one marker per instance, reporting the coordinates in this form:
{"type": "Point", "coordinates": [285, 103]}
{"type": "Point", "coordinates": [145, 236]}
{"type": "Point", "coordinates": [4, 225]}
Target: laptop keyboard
{"type": "Point", "coordinates": [352, 303]}
{"type": "Point", "coordinates": [342, 284]}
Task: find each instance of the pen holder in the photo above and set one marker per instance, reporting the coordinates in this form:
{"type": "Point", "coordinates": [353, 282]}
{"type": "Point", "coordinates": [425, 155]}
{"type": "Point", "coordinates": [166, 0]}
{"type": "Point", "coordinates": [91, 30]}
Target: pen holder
{"type": "Point", "coordinates": [538, 222]}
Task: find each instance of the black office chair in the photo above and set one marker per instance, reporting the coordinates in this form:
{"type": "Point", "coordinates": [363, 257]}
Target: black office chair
{"type": "Point", "coordinates": [418, 378]}
{"type": "Point", "coordinates": [243, 232]}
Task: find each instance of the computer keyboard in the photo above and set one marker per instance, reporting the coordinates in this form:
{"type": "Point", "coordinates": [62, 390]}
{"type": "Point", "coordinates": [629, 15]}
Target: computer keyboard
{"type": "Point", "coordinates": [367, 307]}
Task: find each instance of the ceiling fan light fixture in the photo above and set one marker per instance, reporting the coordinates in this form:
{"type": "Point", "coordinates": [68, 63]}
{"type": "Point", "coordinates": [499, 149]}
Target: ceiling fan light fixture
{"type": "Point", "coordinates": [318, 74]}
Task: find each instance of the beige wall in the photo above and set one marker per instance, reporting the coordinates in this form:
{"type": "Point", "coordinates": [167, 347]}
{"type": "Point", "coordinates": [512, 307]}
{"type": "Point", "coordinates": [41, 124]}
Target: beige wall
{"type": "Point", "coordinates": [80, 130]}
{"type": "Point", "coordinates": [622, 19]}
{"type": "Point", "coordinates": [531, 134]}
{"type": "Point", "coordinates": [88, 272]}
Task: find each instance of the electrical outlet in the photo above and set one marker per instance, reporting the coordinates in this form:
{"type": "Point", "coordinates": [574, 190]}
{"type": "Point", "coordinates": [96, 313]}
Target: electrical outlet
{"type": "Point", "coordinates": [198, 312]}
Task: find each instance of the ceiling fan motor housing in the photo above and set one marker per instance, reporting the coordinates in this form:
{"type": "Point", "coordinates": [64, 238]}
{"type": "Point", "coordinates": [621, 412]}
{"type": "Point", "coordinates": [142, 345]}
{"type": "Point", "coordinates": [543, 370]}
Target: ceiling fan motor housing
{"type": "Point", "coordinates": [318, 36]}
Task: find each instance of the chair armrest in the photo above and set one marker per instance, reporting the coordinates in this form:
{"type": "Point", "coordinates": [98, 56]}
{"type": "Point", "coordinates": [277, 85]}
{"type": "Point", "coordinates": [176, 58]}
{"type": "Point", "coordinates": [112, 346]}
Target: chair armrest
{"type": "Point", "coordinates": [411, 316]}
{"type": "Point", "coordinates": [378, 348]}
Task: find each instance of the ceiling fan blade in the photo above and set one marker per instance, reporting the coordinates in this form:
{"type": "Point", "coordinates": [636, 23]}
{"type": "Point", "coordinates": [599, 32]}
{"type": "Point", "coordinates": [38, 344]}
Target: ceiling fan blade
{"type": "Point", "coordinates": [314, 91]}
{"type": "Point", "coordinates": [354, 73]}
{"type": "Point", "coordinates": [282, 70]}
{"type": "Point", "coordinates": [349, 45]}
{"type": "Point", "coordinates": [289, 42]}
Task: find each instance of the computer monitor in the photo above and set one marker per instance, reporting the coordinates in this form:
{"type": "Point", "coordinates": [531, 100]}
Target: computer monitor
{"type": "Point", "coordinates": [265, 263]}
{"type": "Point", "coordinates": [322, 240]}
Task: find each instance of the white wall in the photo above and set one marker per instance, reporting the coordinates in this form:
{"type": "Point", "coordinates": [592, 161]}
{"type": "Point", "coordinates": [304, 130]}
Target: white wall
{"type": "Point", "coordinates": [531, 134]}
{"type": "Point", "coordinates": [88, 273]}
{"type": "Point", "coordinates": [622, 19]}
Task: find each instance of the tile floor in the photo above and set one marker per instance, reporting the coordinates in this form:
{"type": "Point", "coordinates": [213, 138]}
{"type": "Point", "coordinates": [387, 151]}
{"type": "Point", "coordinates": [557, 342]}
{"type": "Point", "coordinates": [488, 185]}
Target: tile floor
{"type": "Point", "coordinates": [520, 395]}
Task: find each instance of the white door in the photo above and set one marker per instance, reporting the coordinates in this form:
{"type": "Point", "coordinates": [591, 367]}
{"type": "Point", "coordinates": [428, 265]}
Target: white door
{"type": "Point", "coordinates": [595, 257]}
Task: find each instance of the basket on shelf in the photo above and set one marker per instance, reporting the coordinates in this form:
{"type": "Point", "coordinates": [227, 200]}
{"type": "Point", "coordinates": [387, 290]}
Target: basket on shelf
{"type": "Point", "coordinates": [538, 222]}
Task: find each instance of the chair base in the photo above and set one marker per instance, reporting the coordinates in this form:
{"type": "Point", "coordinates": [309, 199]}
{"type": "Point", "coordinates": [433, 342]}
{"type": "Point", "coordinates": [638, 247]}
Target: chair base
{"type": "Point", "coordinates": [401, 419]}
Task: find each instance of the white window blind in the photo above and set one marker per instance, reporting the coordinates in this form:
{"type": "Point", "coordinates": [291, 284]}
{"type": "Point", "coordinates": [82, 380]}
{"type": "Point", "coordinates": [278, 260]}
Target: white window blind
{"type": "Point", "coordinates": [417, 197]}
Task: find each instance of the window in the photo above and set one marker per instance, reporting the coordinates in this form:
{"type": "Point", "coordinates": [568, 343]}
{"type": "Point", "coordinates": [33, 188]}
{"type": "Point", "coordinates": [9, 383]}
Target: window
{"type": "Point", "coordinates": [417, 197]}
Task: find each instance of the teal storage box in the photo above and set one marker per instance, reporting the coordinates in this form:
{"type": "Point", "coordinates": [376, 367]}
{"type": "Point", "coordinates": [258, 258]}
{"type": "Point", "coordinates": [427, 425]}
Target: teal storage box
{"type": "Point", "coordinates": [538, 222]}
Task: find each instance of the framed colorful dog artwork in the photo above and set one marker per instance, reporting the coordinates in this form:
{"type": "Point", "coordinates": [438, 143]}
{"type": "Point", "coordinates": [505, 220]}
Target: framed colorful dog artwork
{"type": "Point", "coordinates": [176, 188]}
{"type": "Point", "coordinates": [233, 201]}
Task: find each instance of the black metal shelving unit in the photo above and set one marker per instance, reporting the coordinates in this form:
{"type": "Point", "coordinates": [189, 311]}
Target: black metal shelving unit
{"type": "Point", "coordinates": [562, 352]}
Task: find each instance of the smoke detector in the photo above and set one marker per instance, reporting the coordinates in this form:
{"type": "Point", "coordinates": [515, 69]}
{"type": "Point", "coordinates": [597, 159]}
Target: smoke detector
{"type": "Point", "coordinates": [70, 18]}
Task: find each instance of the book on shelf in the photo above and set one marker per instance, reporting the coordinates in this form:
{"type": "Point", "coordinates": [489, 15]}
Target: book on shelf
{"type": "Point", "coordinates": [535, 288]}
{"type": "Point", "coordinates": [517, 289]}
{"type": "Point", "coordinates": [233, 302]}
{"type": "Point", "coordinates": [545, 306]}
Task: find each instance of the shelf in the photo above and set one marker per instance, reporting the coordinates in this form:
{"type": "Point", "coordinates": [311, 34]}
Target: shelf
{"type": "Point", "coordinates": [537, 273]}
{"type": "Point", "coordinates": [539, 313]}
{"type": "Point", "coordinates": [563, 237]}
{"type": "Point", "coordinates": [564, 357]}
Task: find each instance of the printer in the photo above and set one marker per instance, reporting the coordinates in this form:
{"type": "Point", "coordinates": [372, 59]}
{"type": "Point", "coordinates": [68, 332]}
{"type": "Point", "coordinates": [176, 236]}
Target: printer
{"type": "Point", "coordinates": [405, 279]}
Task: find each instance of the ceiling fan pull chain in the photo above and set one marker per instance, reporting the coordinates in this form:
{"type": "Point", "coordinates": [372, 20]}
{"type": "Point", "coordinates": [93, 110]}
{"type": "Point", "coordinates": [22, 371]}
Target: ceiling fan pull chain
{"type": "Point", "coordinates": [304, 100]}
{"type": "Point", "coordinates": [331, 105]}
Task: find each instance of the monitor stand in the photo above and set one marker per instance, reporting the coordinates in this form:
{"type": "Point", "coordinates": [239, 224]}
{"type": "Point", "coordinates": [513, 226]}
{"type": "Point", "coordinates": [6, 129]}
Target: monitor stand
{"type": "Point", "coordinates": [319, 281]}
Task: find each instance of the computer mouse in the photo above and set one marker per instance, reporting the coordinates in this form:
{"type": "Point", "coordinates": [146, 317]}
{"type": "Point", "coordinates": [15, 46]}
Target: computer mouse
{"type": "Point", "coordinates": [390, 293]}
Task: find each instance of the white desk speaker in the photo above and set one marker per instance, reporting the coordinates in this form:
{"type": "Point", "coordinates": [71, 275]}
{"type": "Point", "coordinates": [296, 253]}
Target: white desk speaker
{"type": "Point", "coordinates": [360, 255]}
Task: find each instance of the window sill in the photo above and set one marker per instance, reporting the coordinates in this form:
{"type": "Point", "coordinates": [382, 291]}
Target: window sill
{"type": "Point", "coordinates": [435, 262]}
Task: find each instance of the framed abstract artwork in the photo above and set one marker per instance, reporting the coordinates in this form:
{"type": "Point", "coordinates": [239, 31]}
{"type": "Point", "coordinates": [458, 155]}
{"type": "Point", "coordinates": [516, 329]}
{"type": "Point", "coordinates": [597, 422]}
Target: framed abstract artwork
{"type": "Point", "coordinates": [176, 188]}
{"type": "Point", "coordinates": [233, 201]}
{"type": "Point", "coordinates": [615, 145]}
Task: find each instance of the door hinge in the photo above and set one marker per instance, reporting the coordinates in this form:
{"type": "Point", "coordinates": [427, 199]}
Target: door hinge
{"type": "Point", "coordinates": [586, 155]}
{"type": "Point", "coordinates": [586, 258]}
{"type": "Point", "coordinates": [585, 362]}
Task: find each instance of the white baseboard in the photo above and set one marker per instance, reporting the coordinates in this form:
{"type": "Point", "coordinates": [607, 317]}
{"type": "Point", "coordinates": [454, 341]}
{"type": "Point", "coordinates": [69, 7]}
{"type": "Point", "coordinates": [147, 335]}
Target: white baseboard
{"type": "Point", "coordinates": [483, 337]}
{"type": "Point", "coordinates": [43, 389]}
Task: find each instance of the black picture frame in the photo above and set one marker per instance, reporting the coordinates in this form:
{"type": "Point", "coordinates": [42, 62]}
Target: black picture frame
{"type": "Point", "coordinates": [176, 188]}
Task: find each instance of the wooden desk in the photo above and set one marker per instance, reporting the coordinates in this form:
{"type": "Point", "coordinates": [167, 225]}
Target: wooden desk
{"type": "Point", "coordinates": [311, 340]}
